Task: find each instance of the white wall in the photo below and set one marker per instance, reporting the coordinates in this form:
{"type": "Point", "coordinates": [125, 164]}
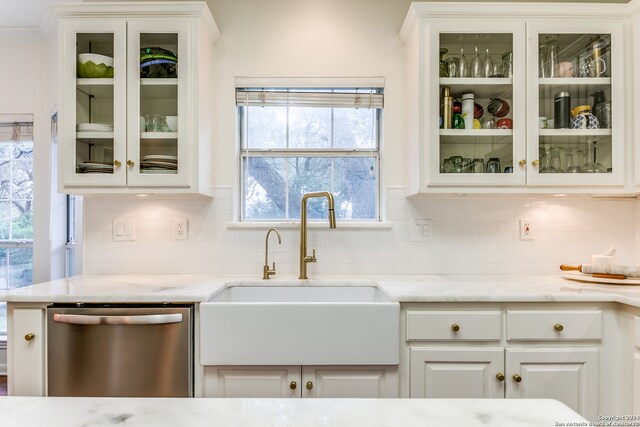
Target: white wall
{"type": "Point", "coordinates": [336, 38]}
{"type": "Point", "coordinates": [25, 78]}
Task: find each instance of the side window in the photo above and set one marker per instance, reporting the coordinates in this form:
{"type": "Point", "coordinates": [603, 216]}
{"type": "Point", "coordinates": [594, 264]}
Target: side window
{"type": "Point", "coordinates": [295, 141]}
{"type": "Point", "coordinates": [16, 207]}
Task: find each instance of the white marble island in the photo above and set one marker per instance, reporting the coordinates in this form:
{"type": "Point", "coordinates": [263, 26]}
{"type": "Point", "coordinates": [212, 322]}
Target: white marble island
{"type": "Point", "coordinates": [76, 412]}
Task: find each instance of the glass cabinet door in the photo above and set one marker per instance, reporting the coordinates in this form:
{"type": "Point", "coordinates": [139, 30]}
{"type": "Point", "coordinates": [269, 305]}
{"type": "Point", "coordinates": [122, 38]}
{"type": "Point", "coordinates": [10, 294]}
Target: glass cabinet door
{"type": "Point", "coordinates": [159, 67]}
{"type": "Point", "coordinates": [575, 105]}
{"type": "Point", "coordinates": [92, 119]}
{"type": "Point", "coordinates": [476, 114]}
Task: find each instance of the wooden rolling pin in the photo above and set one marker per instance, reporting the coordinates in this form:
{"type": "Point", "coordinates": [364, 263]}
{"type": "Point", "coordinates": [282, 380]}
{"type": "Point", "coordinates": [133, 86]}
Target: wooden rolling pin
{"type": "Point", "coordinates": [565, 267]}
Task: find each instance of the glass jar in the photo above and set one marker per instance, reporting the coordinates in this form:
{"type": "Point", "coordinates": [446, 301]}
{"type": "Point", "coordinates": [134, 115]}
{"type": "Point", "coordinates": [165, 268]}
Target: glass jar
{"type": "Point", "coordinates": [444, 68]}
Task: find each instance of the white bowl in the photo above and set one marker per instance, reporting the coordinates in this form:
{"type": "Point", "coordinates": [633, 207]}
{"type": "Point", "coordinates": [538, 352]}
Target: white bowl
{"type": "Point", "coordinates": [95, 58]}
{"type": "Point", "coordinates": [172, 122]}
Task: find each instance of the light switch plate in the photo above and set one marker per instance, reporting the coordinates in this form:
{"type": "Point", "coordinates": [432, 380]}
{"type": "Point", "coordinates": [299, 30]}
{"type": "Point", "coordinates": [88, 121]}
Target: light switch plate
{"type": "Point", "coordinates": [124, 229]}
{"type": "Point", "coordinates": [421, 230]}
{"type": "Point", "coordinates": [526, 229]}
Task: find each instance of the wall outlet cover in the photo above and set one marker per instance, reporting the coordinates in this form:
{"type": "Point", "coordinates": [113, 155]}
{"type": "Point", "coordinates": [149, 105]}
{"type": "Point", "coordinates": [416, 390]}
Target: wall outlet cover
{"type": "Point", "coordinates": [180, 229]}
{"type": "Point", "coordinates": [526, 229]}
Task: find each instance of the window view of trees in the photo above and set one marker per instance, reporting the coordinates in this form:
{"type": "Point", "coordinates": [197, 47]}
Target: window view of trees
{"type": "Point", "coordinates": [290, 151]}
{"type": "Point", "coordinates": [16, 217]}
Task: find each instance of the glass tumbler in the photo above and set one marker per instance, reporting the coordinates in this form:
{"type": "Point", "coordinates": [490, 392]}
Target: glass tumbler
{"type": "Point", "coordinates": [493, 165]}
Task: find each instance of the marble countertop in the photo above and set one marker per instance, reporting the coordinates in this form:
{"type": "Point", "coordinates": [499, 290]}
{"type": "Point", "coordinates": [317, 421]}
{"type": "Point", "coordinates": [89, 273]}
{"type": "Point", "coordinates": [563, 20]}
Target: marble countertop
{"type": "Point", "coordinates": [87, 411]}
{"type": "Point", "coordinates": [182, 288]}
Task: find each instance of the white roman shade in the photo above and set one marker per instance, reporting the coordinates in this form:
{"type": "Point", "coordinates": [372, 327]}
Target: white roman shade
{"type": "Point", "coordinates": [341, 98]}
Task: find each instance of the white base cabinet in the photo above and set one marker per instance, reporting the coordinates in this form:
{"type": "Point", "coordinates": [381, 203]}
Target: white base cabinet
{"type": "Point", "coordinates": [305, 381]}
{"type": "Point", "coordinates": [512, 353]}
{"type": "Point", "coordinates": [457, 372]}
{"type": "Point", "coordinates": [26, 349]}
{"type": "Point", "coordinates": [569, 375]}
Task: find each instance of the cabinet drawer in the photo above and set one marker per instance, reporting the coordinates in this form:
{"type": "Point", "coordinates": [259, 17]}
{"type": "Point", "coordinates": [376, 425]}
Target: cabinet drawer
{"type": "Point", "coordinates": [554, 325]}
{"type": "Point", "coordinates": [442, 325]}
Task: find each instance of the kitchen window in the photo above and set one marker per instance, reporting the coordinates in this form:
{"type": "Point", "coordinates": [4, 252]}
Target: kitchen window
{"type": "Point", "coordinates": [16, 206]}
{"type": "Point", "coordinates": [295, 141]}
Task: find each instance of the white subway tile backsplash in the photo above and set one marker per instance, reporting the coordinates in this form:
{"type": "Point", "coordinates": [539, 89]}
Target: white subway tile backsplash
{"type": "Point", "coordinates": [474, 235]}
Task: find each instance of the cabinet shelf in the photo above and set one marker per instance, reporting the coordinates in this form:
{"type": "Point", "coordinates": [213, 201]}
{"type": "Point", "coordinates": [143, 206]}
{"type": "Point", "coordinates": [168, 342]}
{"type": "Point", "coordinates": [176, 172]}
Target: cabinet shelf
{"type": "Point", "coordinates": [158, 135]}
{"type": "Point", "coordinates": [575, 132]}
{"type": "Point", "coordinates": [476, 132]}
{"type": "Point", "coordinates": [480, 87]}
{"type": "Point", "coordinates": [94, 135]}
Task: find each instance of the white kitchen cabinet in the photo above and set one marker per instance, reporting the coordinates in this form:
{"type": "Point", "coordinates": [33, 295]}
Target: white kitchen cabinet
{"type": "Point", "coordinates": [452, 160]}
{"type": "Point", "coordinates": [108, 144]}
{"type": "Point", "coordinates": [26, 357]}
{"type": "Point", "coordinates": [569, 375]}
{"type": "Point", "coordinates": [636, 366]}
{"type": "Point", "coordinates": [466, 372]}
{"type": "Point", "coordinates": [297, 381]}
{"type": "Point", "coordinates": [497, 351]}
{"type": "Point", "coordinates": [252, 381]}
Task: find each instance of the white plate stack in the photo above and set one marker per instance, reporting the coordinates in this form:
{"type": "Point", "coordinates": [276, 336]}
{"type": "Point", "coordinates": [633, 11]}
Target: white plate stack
{"type": "Point", "coordinates": [159, 164]}
{"type": "Point", "coordinates": [96, 167]}
{"type": "Point", "coordinates": [93, 127]}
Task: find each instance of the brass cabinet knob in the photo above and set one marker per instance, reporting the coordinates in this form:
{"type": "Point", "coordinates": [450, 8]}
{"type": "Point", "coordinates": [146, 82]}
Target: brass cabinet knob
{"type": "Point", "coordinates": [558, 327]}
{"type": "Point", "coordinates": [293, 385]}
{"type": "Point", "coordinates": [309, 385]}
{"type": "Point", "coordinates": [29, 336]}
{"type": "Point", "coordinates": [455, 327]}
{"type": "Point", "coordinates": [522, 162]}
{"type": "Point", "coordinates": [535, 163]}
{"type": "Point", "coordinates": [500, 376]}
{"type": "Point", "coordinates": [130, 163]}
{"type": "Point", "coordinates": [117, 163]}
{"type": "Point", "coordinates": [517, 378]}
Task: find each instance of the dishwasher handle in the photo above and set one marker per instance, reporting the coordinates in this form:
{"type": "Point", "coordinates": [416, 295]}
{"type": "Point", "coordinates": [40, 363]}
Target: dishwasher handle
{"type": "Point", "coordinates": [85, 319]}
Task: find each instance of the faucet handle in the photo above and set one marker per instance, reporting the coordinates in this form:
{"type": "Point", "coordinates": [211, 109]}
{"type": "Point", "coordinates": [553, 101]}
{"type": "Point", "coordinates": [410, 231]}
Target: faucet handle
{"type": "Point", "coordinates": [313, 255]}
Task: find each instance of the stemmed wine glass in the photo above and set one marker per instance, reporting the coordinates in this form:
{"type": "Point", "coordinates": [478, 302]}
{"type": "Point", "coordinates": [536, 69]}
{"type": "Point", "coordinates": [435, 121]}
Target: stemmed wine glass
{"type": "Point", "coordinates": [463, 63]}
{"type": "Point", "coordinates": [476, 62]}
{"type": "Point", "coordinates": [546, 166]}
{"type": "Point", "coordinates": [592, 166]}
{"type": "Point", "coordinates": [487, 62]}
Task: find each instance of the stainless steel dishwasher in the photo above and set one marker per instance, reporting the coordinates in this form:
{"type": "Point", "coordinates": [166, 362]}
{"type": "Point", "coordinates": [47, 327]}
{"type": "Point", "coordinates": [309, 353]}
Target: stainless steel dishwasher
{"type": "Point", "coordinates": [120, 350]}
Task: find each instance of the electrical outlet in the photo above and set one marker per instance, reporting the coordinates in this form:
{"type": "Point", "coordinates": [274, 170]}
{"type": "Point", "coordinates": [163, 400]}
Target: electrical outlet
{"type": "Point", "coordinates": [421, 230]}
{"type": "Point", "coordinates": [526, 229]}
{"type": "Point", "coordinates": [180, 229]}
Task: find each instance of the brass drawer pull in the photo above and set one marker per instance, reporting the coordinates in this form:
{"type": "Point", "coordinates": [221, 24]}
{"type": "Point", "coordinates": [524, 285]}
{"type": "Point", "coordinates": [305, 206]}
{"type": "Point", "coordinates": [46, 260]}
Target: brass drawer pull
{"type": "Point", "coordinates": [309, 385]}
{"type": "Point", "coordinates": [500, 376]}
{"type": "Point", "coordinates": [455, 327]}
{"type": "Point", "coordinates": [558, 327]}
{"type": "Point", "coordinates": [29, 336]}
{"type": "Point", "coordinates": [517, 378]}
{"type": "Point", "coordinates": [293, 385]}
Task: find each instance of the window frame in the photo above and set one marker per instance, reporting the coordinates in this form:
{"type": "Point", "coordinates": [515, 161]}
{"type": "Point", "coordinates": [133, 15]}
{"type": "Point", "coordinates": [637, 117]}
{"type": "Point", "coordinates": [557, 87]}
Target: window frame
{"type": "Point", "coordinates": [328, 153]}
{"type": "Point", "coordinates": [17, 243]}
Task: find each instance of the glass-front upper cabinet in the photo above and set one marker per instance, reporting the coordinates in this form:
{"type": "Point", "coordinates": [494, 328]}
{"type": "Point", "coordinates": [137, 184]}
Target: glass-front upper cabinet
{"type": "Point", "coordinates": [159, 66]}
{"type": "Point", "coordinates": [477, 110]}
{"type": "Point", "coordinates": [576, 107]}
{"type": "Point", "coordinates": [93, 121]}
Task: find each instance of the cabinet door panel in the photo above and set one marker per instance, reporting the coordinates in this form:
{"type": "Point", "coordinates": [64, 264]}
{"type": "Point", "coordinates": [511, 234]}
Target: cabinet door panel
{"type": "Point", "coordinates": [456, 372]}
{"type": "Point", "coordinates": [27, 353]}
{"type": "Point", "coordinates": [636, 383]}
{"type": "Point", "coordinates": [589, 70]}
{"type": "Point", "coordinates": [150, 152]}
{"type": "Point", "coordinates": [252, 381]}
{"type": "Point", "coordinates": [350, 382]}
{"type": "Point", "coordinates": [92, 126]}
{"type": "Point", "coordinates": [569, 375]}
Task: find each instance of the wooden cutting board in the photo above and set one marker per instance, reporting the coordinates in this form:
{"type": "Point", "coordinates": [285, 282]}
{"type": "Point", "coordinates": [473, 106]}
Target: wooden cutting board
{"type": "Point", "coordinates": [575, 275]}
